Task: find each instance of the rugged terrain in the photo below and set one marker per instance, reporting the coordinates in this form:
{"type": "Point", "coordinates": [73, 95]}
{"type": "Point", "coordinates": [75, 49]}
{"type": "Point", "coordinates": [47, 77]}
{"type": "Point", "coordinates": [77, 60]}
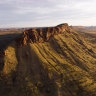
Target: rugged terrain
{"type": "Point", "coordinates": [53, 61]}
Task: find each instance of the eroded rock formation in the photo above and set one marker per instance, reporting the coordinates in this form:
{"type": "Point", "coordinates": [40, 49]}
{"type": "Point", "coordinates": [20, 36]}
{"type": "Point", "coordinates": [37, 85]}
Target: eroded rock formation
{"type": "Point", "coordinates": [41, 34]}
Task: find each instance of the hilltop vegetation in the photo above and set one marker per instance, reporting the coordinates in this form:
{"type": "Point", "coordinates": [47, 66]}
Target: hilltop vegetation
{"type": "Point", "coordinates": [64, 65]}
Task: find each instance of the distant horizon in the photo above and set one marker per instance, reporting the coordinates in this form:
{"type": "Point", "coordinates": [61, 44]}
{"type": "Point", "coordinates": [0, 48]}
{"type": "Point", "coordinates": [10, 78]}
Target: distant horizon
{"type": "Point", "coordinates": [12, 26]}
{"type": "Point", "coordinates": [45, 26]}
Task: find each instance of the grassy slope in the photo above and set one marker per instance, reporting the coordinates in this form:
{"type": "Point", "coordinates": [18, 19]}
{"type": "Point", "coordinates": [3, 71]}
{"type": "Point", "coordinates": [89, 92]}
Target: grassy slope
{"type": "Point", "coordinates": [63, 66]}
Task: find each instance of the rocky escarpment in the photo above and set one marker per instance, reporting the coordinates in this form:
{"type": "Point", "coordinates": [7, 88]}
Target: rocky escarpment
{"type": "Point", "coordinates": [35, 35]}
{"type": "Point", "coordinates": [63, 66]}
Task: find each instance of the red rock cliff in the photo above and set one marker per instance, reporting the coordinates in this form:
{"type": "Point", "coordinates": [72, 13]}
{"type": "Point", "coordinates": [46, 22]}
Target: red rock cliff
{"type": "Point", "coordinates": [35, 35]}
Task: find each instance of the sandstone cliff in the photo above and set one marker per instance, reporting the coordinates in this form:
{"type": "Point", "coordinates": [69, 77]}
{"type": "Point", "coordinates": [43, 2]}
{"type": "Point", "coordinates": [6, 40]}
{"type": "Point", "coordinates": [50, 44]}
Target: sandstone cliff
{"type": "Point", "coordinates": [35, 35]}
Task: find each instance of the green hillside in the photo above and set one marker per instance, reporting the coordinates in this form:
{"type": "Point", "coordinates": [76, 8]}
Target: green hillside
{"type": "Point", "coordinates": [63, 66]}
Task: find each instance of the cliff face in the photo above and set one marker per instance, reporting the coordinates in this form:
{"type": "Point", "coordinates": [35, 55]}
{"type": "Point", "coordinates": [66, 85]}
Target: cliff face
{"type": "Point", "coordinates": [41, 34]}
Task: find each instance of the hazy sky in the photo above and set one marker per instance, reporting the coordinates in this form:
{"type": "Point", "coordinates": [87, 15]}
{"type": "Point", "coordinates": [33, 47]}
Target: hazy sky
{"type": "Point", "coordinates": [30, 13]}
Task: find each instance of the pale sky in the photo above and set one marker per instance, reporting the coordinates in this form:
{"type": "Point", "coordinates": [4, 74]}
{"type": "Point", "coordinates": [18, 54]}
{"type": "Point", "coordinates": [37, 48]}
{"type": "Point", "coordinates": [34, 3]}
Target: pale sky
{"type": "Point", "coordinates": [37, 13]}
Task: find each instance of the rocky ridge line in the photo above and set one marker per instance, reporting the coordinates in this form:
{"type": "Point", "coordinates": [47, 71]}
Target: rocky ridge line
{"type": "Point", "coordinates": [38, 35]}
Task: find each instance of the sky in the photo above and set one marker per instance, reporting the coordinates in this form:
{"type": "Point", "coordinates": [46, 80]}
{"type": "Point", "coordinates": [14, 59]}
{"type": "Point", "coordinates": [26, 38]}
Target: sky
{"type": "Point", "coordinates": [37, 13]}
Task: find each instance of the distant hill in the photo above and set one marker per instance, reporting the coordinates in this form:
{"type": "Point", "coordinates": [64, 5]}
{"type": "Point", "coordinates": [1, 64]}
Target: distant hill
{"type": "Point", "coordinates": [86, 29]}
{"type": "Point", "coordinates": [51, 61]}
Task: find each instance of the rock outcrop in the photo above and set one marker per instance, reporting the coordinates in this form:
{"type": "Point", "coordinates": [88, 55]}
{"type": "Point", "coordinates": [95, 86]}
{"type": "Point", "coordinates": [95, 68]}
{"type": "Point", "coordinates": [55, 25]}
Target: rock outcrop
{"type": "Point", "coordinates": [37, 35]}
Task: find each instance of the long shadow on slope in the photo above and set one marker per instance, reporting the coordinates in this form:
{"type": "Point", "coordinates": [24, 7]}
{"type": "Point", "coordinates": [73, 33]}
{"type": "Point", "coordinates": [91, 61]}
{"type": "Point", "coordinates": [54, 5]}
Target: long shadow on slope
{"type": "Point", "coordinates": [74, 88]}
{"type": "Point", "coordinates": [38, 85]}
{"type": "Point", "coordinates": [72, 85]}
{"type": "Point", "coordinates": [6, 39]}
{"type": "Point", "coordinates": [36, 75]}
{"type": "Point", "coordinates": [79, 41]}
{"type": "Point", "coordinates": [38, 78]}
{"type": "Point", "coordinates": [56, 46]}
